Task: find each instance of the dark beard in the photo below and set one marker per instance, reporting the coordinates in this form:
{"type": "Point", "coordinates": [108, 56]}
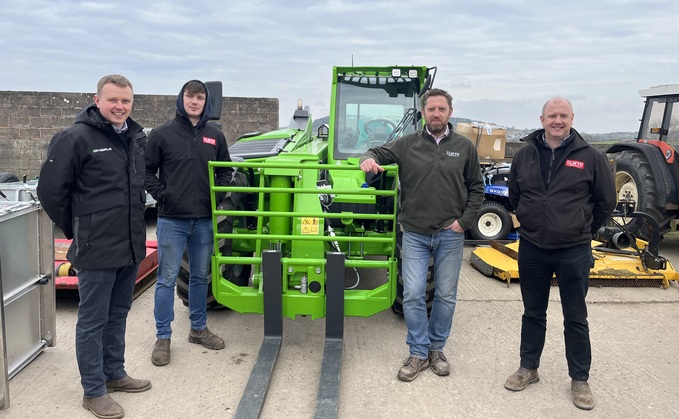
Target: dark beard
{"type": "Point", "coordinates": [437, 130]}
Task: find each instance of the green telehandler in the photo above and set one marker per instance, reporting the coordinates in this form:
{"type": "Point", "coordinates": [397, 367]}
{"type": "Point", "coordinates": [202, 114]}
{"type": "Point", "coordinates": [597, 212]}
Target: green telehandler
{"type": "Point", "coordinates": [300, 213]}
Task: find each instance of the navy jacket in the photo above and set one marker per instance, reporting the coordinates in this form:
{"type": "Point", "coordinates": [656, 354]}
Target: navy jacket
{"type": "Point", "coordinates": [92, 187]}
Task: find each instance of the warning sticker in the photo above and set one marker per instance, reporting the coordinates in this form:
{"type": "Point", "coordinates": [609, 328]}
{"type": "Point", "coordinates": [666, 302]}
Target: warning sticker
{"type": "Point", "coordinates": [309, 225]}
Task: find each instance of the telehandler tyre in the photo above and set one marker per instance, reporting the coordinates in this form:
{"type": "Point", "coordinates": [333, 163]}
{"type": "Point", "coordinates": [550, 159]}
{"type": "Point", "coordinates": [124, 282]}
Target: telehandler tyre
{"type": "Point", "coordinates": [238, 274]}
{"type": "Point", "coordinates": [397, 307]}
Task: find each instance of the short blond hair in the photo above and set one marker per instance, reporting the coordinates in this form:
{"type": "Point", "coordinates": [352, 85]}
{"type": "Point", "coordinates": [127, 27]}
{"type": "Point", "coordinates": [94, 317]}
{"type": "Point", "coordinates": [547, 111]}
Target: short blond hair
{"type": "Point", "coordinates": [117, 79]}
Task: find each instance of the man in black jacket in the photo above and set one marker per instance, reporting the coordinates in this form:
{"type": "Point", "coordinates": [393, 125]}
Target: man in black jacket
{"type": "Point", "coordinates": [92, 187]}
{"type": "Point", "coordinates": [179, 151]}
{"type": "Point", "coordinates": [563, 190]}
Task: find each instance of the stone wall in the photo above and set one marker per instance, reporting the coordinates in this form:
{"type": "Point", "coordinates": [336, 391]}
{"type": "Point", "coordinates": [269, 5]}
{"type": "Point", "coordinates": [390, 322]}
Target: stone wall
{"type": "Point", "coordinates": [28, 120]}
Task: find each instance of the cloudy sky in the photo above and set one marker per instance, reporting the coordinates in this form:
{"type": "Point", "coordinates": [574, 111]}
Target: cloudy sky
{"type": "Point", "coordinates": [500, 59]}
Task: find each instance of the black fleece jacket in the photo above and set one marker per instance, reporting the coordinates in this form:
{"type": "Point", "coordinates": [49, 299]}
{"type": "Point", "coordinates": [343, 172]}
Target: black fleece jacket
{"type": "Point", "coordinates": [562, 199]}
{"type": "Point", "coordinates": [179, 153]}
{"type": "Point", "coordinates": [92, 187]}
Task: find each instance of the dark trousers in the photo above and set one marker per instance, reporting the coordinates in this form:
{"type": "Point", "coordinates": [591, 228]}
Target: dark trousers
{"type": "Point", "coordinates": [571, 266]}
{"type": "Point", "coordinates": [105, 300]}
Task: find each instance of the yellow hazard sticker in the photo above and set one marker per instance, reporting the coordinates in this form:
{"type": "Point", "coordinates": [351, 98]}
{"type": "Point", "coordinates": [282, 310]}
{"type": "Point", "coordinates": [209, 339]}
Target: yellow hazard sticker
{"type": "Point", "coordinates": [309, 225]}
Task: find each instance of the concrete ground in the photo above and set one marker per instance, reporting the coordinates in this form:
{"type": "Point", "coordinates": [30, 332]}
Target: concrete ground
{"type": "Point", "coordinates": [634, 372]}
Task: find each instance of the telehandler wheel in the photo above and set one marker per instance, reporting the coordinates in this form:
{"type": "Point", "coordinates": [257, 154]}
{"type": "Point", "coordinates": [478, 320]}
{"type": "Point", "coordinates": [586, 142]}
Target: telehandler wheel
{"type": "Point", "coordinates": [183, 286]}
{"type": "Point", "coordinates": [634, 181]}
{"type": "Point", "coordinates": [6, 177]}
{"type": "Point", "coordinates": [238, 274]}
{"type": "Point", "coordinates": [492, 223]}
{"type": "Point", "coordinates": [397, 307]}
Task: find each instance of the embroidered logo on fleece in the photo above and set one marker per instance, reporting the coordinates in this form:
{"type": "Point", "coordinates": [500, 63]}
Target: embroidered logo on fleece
{"type": "Point", "coordinates": [452, 154]}
{"type": "Point", "coordinates": [576, 164]}
{"type": "Point", "coordinates": [208, 140]}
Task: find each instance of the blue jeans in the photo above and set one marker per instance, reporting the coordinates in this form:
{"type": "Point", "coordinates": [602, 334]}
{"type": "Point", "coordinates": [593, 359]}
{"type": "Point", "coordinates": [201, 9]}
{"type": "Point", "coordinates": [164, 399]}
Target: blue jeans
{"type": "Point", "coordinates": [571, 266]}
{"type": "Point", "coordinates": [446, 248]}
{"type": "Point", "coordinates": [175, 235]}
{"type": "Point", "coordinates": [105, 300]}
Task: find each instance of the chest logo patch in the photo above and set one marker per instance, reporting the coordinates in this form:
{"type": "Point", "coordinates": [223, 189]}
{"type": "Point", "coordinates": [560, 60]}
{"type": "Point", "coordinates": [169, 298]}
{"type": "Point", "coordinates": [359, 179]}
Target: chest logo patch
{"type": "Point", "coordinates": [208, 140]}
{"type": "Point", "coordinates": [577, 164]}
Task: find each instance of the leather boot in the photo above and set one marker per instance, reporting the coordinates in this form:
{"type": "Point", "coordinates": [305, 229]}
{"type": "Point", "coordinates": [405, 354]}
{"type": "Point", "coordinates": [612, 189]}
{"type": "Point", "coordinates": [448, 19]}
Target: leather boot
{"type": "Point", "coordinates": [103, 407]}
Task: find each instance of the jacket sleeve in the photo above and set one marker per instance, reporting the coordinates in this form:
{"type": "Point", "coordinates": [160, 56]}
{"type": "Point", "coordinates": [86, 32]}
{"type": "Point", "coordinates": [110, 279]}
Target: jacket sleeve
{"type": "Point", "coordinates": [56, 179]}
{"type": "Point", "coordinates": [514, 189]}
{"type": "Point", "coordinates": [152, 183]}
{"type": "Point", "coordinates": [385, 154]}
{"type": "Point", "coordinates": [475, 190]}
{"type": "Point", "coordinates": [603, 192]}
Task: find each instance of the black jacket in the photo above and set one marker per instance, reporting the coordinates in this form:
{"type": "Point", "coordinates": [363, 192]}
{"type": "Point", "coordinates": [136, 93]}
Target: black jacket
{"type": "Point", "coordinates": [92, 187]}
{"type": "Point", "coordinates": [180, 152]}
{"type": "Point", "coordinates": [580, 194]}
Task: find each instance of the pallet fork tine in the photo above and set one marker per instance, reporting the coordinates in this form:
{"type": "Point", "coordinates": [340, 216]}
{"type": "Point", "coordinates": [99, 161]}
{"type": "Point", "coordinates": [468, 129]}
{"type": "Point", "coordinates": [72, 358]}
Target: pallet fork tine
{"type": "Point", "coordinates": [327, 402]}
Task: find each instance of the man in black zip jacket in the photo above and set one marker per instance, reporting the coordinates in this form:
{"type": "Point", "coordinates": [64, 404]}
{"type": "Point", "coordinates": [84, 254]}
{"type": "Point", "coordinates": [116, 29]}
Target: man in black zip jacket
{"type": "Point", "coordinates": [179, 151]}
{"type": "Point", "coordinates": [92, 187]}
{"type": "Point", "coordinates": [563, 190]}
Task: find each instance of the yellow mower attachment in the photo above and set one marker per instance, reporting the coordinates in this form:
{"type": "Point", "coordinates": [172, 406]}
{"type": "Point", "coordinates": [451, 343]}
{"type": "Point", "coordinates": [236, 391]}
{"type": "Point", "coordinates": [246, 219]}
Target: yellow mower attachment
{"type": "Point", "coordinates": [627, 267]}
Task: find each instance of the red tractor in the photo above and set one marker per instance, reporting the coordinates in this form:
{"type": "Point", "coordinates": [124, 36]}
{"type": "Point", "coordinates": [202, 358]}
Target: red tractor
{"type": "Point", "coordinates": [647, 170]}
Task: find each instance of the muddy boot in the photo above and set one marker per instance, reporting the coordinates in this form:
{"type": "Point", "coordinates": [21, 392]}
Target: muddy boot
{"type": "Point", "coordinates": [103, 407]}
{"type": "Point", "coordinates": [206, 338]}
{"type": "Point", "coordinates": [521, 379]}
{"type": "Point", "coordinates": [161, 352]}
{"type": "Point", "coordinates": [411, 368]}
{"type": "Point", "coordinates": [128, 384]}
{"type": "Point", "coordinates": [582, 395]}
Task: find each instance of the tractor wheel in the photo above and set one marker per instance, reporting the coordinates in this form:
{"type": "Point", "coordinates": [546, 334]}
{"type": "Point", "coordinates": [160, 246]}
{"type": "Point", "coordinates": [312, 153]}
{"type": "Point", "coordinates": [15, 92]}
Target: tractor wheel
{"type": "Point", "coordinates": [6, 177]}
{"type": "Point", "coordinates": [634, 181]}
{"type": "Point", "coordinates": [397, 307]}
{"type": "Point", "coordinates": [492, 223]}
{"type": "Point", "coordinates": [238, 274]}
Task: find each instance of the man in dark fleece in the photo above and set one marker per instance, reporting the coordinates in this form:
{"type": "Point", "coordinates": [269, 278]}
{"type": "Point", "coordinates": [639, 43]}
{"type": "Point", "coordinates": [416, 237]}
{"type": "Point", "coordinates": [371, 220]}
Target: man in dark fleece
{"type": "Point", "coordinates": [179, 152]}
{"type": "Point", "coordinates": [441, 195]}
{"type": "Point", "coordinates": [563, 190]}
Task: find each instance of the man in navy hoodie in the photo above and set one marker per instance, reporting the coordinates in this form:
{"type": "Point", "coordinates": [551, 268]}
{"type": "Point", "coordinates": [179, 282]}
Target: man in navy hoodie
{"type": "Point", "coordinates": [178, 152]}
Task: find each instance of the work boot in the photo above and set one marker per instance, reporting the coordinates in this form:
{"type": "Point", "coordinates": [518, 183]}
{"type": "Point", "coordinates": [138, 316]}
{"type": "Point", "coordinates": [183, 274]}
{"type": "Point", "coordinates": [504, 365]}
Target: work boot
{"type": "Point", "coordinates": [411, 368]}
{"type": "Point", "coordinates": [438, 363]}
{"type": "Point", "coordinates": [128, 384]}
{"type": "Point", "coordinates": [103, 407]}
{"type": "Point", "coordinates": [161, 352]}
{"type": "Point", "coordinates": [582, 395]}
{"type": "Point", "coordinates": [521, 379]}
{"type": "Point", "coordinates": [206, 338]}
